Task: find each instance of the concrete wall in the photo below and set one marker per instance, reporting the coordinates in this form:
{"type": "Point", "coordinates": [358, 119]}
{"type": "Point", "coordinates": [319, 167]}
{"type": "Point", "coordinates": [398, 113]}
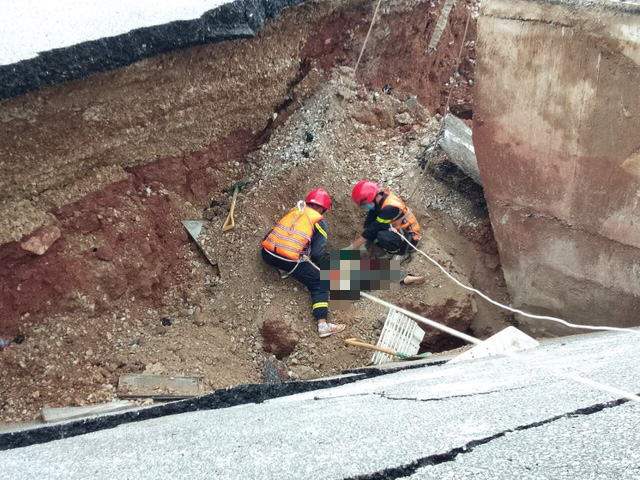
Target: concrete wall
{"type": "Point", "coordinates": [557, 136]}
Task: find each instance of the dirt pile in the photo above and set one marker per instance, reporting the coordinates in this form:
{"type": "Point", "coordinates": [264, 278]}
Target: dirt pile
{"type": "Point", "coordinates": [121, 288]}
{"type": "Point", "coordinates": [209, 326]}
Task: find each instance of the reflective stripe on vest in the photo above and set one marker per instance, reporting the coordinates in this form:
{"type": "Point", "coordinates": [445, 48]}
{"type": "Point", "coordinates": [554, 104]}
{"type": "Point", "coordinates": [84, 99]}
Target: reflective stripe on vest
{"type": "Point", "coordinates": [405, 220]}
{"type": "Point", "coordinates": [291, 237]}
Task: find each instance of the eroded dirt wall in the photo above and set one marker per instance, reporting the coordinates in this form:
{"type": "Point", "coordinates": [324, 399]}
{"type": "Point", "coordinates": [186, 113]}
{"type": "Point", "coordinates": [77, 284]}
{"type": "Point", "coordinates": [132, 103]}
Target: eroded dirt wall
{"type": "Point", "coordinates": [114, 162]}
{"type": "Point", "coordinates": [556, 136]}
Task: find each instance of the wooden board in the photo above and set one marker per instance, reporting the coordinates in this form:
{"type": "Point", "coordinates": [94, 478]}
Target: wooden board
{"type": "Point", "coordinates": [69, 413]}
{"type": "Point", "coordinates": [159, 387]}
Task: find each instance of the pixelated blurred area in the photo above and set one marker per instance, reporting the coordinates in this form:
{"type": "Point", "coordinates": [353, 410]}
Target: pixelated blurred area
{"type": "Point", "coordinates": [345, 274]}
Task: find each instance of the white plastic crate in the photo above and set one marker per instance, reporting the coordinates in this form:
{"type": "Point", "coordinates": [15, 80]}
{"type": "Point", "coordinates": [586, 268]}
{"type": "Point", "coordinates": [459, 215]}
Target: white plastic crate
{"type": "Point", "coordinates": [400, 333]}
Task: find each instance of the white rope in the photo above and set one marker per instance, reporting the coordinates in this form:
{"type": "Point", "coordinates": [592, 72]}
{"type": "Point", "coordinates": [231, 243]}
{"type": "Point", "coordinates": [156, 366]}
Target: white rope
{"type": "Point", "coordinates": [426, 321]}
{"type": "Point", "coordinates": [511, 309]}
{"type": "Point", "coordinates": [366, 39]}
{"type": "Point", "coordinates": [468, 338]}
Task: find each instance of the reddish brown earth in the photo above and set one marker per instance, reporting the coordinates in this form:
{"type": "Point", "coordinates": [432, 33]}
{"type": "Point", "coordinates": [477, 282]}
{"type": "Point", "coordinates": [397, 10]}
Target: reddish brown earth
{"type": "Point", "coordinates": [91, 306]}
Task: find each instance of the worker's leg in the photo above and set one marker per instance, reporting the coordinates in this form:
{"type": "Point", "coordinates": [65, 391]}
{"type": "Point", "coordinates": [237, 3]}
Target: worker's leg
{"type": "Point", "coordinates": [284, 265]}
{"type": "Point", "coordinates": [309, 276]}
{"type": "Point", "coordinates": [391, 242]}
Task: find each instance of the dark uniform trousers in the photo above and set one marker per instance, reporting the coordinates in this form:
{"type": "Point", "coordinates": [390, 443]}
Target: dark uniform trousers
{"type": "Point", "coordinates": [309, 276]}
{"type": "Point", "coordinates": [392, 243]}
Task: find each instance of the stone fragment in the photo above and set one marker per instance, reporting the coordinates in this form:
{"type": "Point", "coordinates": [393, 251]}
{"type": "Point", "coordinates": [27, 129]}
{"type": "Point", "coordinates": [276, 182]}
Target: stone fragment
{"type": "Point", "coordinates": [199, 319]}
{"type": "Point", "coordinates": [275, 371]}
{"type": "Point", "coordinates": [404, 118]}
{"type": "Point", "coordinates": [412, 103]}
{"type": "Point", "coordinates": [41, 240]}
{"type": "Point", "coordinates": [105, 253]}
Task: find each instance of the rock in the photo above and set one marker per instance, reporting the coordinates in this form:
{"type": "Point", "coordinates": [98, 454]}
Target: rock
{"type": "Point", "coordinates": [304, 372]}
{"type": "Point", "coordinates": [279, 337]}
{"type": "Point", "coordinates": [404, 118]}
{"type": "Point", "coordinates": [412, 103]}
{"type": "Point", "coordinates": [199, 319]}
{"type": "Point", "coordinates": [275, 371]}
{"type": "Point", "coordinates": [105, 253]}
{"type": "Point", "coordinates": [41, 240]}
{"type": "Point", "coordinates": [385, 118]}
{"type": "Point", "coordinates": [345, 93]}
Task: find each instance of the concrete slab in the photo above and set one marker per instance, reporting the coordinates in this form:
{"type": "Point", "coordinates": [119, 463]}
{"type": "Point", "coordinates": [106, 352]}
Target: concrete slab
{"type": "Point", "coordinates": [159, 387]}
{"type": "Point", "coordinates": [509, 340]}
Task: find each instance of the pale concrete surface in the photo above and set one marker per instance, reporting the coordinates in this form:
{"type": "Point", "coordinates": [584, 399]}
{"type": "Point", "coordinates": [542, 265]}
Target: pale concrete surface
{"type": "Point", "coordinates": [555, 130]}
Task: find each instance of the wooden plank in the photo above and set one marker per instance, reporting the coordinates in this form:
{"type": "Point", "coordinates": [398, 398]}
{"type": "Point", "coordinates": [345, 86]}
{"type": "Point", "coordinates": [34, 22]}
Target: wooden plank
{"type": "Point", "coordinates": [159, 387]}
{"type": "Point", "coordinates": [69, 413]}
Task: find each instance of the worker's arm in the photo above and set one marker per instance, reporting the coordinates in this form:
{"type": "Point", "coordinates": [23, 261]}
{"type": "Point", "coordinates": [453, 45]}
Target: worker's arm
{"type": "Point", "coordinates": [382, 221]}
{"type": "Point", "coordinates": [371, 217]}
{"type": "Point", "coordinates": [357, 243]}
{"type": "Point", "coordinates": [318, 247]}
{"type": "Point", "coordinates": [376, 221]}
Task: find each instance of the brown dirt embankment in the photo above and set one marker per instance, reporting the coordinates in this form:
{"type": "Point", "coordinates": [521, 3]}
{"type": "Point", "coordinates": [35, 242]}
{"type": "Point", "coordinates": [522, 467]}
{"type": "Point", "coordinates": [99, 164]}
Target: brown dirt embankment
{"type": "Point", "coordinates": [115, 162]}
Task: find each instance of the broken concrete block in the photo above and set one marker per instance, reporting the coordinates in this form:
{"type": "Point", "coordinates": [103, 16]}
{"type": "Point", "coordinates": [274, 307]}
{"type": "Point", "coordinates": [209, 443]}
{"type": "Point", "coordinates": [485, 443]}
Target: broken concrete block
{"type": "Point", "coordinates": [452, 160]}
{"type": "Point", "coordinates": [201, 232]}
{"type": "Point", "coordinates": [506, 341]}
{"type": "Point", "coordinates": [457, 143]}
{"type": "Point", "coordinates": [41, 240]}
{"type": "Point", "coordinates": [159, 387]}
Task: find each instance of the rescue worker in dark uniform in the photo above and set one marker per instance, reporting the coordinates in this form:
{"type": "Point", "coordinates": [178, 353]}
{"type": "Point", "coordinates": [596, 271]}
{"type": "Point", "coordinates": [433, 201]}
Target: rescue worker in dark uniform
{"type": "Point", "coordinates": [303, 233]}
{"type": "Point", "coordinates": [386, 209]}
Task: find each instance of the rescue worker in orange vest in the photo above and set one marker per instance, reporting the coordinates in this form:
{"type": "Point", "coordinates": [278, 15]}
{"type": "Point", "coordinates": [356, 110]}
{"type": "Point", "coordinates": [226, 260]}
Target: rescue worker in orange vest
{"type": "Point", "coordinates": [385, 209]}
{"type": "Point", "coordinates": [300, 233]}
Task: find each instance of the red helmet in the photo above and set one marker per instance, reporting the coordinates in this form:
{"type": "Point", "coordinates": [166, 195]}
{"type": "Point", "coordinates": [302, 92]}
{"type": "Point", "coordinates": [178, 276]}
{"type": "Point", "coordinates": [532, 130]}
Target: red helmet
{"type": "Point", "coordinates": [365, 191]}
{"type": "Point", "coordinates": [320, 197]}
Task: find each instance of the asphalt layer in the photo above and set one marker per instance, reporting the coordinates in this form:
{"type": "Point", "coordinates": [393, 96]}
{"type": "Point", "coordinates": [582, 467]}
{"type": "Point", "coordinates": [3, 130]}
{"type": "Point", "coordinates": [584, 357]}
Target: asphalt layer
{"type": "Point", "coordinates": [488, 418]}
{"type": "Point", "coordinates": [238, 19]}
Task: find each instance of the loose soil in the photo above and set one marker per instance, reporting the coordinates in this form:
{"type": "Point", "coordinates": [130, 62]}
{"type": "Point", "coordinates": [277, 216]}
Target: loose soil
{"type": "Point", "coordinates": [143, 298]}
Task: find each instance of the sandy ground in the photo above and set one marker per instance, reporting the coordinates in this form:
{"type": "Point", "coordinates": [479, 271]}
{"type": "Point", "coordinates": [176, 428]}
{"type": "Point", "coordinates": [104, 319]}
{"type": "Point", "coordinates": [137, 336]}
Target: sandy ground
{"type": "Point", "coordinates": [343, 133]}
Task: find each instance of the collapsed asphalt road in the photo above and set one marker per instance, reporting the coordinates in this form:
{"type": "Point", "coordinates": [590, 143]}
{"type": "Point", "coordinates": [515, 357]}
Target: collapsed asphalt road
{"type": "Point", "coordinates": [493, 418]}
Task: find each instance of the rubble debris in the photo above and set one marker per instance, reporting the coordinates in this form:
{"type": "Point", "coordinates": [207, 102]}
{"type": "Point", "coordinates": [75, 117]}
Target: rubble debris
{"type": "Point", "coordinates": [229, 348]}
{"type": "Point", "coordinates": [275, 371]}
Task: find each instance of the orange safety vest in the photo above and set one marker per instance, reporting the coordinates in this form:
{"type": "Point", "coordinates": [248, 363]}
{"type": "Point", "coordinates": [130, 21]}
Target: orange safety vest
{"type": "Point", "coordinates": [291, 237]}
{"type": "Point", "coordinates": [405, 221]}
